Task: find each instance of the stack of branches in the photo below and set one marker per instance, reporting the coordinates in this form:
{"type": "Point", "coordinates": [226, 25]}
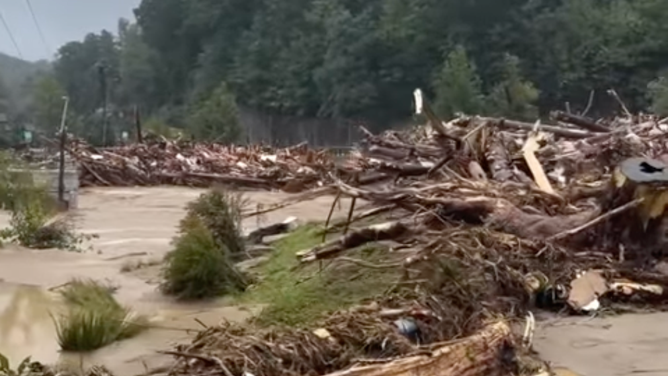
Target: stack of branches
{"type": "Point", "coordinates": [573, 151]}
{"type": "Point", "coordinates": [480, 231]}
{"type": "Point", "coordinates": [200, 164]}
{"type": "Point", "coordinates": [235, 350]}
{"type": "Point", "coordinates": [354, 338]}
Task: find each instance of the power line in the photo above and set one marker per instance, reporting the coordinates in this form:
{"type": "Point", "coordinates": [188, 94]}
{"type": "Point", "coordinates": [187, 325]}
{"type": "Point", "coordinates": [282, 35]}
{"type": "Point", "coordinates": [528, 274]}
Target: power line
{"type": "Point", "coordinates": [39, 29]}
{"type": "Point", "coordinates": [11, 36]}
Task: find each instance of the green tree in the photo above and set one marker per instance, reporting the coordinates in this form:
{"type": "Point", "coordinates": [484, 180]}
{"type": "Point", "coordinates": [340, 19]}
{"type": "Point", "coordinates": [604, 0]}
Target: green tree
{"type": "Point", "coordinates": [77, 68]}
{"type": "Point", "coordinates": [48, 104]}
{"type": "Point", "coordinates": [138, 69]}
{"type": "Point", "coordinates": [457, 86]}
{"type": "Point", "coordinates": [216, 118]}
{"type": "Point", "coordinates": [513, 96]}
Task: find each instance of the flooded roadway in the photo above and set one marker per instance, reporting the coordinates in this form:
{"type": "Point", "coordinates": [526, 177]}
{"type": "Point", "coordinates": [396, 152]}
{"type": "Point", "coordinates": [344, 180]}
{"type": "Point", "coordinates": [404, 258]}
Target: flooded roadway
{"type": "Point", "coordinates": [129, 222]}
{"type": "Point", "coordinates": [133, 221]}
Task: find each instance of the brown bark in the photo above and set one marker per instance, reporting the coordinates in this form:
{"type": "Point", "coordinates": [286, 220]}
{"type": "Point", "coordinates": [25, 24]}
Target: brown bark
{"type": "Point", "coordinates": [580, 121]}
{"type": "Point", "coordinates": [487, 353]}
{"type": "Point", "coordinates": [390, 230]}
{"type": "Point", "coordinates": [559, 131]}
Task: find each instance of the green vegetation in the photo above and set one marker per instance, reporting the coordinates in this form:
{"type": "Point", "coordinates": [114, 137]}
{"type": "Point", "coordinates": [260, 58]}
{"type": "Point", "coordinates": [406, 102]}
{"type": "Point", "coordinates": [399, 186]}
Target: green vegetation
{"type": "Point", "coordinates": [32, 223]}
{"type": "Point", "coordinates": [457, 86]}
{"type": "Point", "coordinates": [220, 211]}
{"type": "Point", "coordinates": [298, 295]}
{"type": "Point", "coordinates": [183, 63]}
{"type": "Point", "coordinates": [216, 118]}
{"type": "Point", "coordinates": [24, 368]}
{"type": "Point", "coordinates": [201, 265]}
{"type": "Point", "coordinates": [94, 318]}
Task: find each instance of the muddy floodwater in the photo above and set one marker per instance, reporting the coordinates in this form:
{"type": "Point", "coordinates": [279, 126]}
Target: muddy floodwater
{"type": "Point", "coordinates": [133, 224]}
{"type": "Point", "coordinates": [137, 224]}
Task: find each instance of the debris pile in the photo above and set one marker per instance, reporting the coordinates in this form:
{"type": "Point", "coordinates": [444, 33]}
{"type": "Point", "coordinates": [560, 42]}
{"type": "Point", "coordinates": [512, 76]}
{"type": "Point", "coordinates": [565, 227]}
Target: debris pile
{"type": "Point", "coordinates": [487, 219]}
{"type": "Point", "coordinates": [198, 164]}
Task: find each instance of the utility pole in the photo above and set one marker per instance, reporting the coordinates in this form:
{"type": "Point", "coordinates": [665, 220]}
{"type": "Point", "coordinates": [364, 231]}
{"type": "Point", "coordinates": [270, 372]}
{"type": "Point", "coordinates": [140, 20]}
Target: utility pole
{"type": "Point", "coordinates": [63, 141]}
{"type": "Point", "coordinates": [102, 75]}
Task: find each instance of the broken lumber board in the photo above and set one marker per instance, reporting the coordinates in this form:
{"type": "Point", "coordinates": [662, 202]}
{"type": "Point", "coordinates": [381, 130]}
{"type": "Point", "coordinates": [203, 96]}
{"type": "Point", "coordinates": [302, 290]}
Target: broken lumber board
{"type": "Point", "coordinates": [487, 353]}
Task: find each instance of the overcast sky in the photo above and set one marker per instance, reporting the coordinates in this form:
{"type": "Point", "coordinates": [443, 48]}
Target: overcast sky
{"type": "Point", "coordinates": [61, 21]}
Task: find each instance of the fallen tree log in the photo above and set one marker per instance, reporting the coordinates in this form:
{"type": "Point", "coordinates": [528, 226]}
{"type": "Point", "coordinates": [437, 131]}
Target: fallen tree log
{"type": "Point", "coordinates": [384, 231]}
{"type": "Point", "coordinates": [580, 121]}
{"type": "Point", "coordinates": [256, 236]}
{"type": "Point", "coordinates": [559, 131]}
{"type": "Point", "coordinates": [487, 353]}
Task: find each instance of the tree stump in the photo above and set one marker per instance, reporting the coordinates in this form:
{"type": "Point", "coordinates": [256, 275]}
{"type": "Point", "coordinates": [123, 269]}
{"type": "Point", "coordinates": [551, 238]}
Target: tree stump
{"type": "Point", "coordinates": [640, 229]}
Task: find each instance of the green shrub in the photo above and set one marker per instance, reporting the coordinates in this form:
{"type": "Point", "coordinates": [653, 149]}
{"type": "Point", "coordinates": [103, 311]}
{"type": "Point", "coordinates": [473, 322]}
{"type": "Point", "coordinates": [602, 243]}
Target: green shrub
{"type": "Point", "coordinates": [32, 209]}
{"type": "Point", "coordinates": [220, 211]}
{"type": "Point", "coordinates": [94, 318]}
{"type": "Point", "coordinates": [31, 226]}
{"type": "Point", "coordinates": [87, 293]}
{"type": "Point", "coordinates": [199, 267]}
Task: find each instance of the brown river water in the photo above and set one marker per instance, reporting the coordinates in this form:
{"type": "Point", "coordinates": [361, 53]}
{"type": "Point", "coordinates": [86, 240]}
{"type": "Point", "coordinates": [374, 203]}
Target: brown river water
{"type": "Point", "coordinates": [144, 220]}
{"type": "Point", "coordinates": [127, 221]}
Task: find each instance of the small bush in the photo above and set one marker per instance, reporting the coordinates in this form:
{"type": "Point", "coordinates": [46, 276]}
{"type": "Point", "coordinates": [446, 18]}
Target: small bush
{"type": "Point", "coordinates": [31, 226]}
{"type": "Point", "coordinates": [199, 267]}
{"type": "Point", "coordinates": [220, 212]}
{"type": "Point", "coordinates": [94, 318]}
{"type": "Point", "coordinates": [32, 209]}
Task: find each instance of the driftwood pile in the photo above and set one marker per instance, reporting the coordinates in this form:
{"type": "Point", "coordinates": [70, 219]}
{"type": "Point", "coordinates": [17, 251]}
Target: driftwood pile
{"type": "Point", "coordinates": [490, 218]}
{"type": "Point", "coordinates": [198, 164]}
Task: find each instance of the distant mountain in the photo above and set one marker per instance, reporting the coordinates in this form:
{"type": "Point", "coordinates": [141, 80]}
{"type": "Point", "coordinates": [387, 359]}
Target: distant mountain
{"type": "Point", "coordinates": [16, 77]}
{"type": "Point", "coordinates": [14, 71]}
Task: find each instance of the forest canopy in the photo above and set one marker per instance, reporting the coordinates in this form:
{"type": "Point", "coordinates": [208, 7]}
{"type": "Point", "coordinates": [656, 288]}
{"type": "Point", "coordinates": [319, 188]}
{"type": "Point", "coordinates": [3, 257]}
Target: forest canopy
{"type": "Point", "coordinates": [182, 62]}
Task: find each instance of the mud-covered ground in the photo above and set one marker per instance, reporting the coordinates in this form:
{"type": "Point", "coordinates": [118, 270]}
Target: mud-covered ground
{"type": "Point", "coordinates": [137, 224]}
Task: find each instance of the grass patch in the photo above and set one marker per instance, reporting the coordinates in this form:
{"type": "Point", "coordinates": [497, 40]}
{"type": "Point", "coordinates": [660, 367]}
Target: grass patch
{"type": "Point", "coordinates": [298, 296]}
{"type": "Point", "coordinates": [94, 318]}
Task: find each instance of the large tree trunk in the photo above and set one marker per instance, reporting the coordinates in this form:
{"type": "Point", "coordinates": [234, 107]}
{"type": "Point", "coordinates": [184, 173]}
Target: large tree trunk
{"type": "Point", "coordinates": [488, 353]}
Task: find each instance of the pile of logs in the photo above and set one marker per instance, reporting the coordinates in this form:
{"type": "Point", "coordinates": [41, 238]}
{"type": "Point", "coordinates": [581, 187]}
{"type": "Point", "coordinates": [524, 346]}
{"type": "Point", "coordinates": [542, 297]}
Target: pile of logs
{"type": "Point", "coordinates": [489, 217]}
{"type": "Point", "coordinates": [198, 164]}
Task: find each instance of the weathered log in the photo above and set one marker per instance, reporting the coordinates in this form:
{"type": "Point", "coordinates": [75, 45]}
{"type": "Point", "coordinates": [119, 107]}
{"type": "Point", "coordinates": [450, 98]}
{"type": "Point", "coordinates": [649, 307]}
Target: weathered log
{"type": "Point", "coordinates": [487, 353]}
{"type": "Point", "coordinates": [419, 150]}
{"type": "Point", "coordinates": [559, 131]}
{"type": "Point", "coordinates": [405, 169]}
{"type": "Point", "coordinates": [221, 178]}
{"type": "Point", "coordinates": [384, 231]}
{"type": "Point", "coordinates": [499, 160]}
{"type": "Point", "coordinates": [392, 153]}
{"type": "Point", "coordinates": [256, 236]}
{"type": "Point", "coordinates": [580, 121]}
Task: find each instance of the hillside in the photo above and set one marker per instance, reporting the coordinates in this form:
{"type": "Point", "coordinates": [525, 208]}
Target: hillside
{"type": "Point", "coordinates": [15, 71]}
{"type": "Point", "coordinates": [14, 76]}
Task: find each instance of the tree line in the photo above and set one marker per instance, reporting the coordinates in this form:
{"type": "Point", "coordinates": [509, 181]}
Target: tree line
{"type": "Point", "coordinates": [190, 64]}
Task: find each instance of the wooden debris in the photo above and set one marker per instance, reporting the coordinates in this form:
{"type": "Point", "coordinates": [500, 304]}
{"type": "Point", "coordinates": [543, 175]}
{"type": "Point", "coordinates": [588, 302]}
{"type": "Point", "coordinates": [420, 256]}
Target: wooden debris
{"type": "Point", "coordinates": [256, 236]}
{"type": "Point", "coordinates": [384, 231]}
{"type": "Point", "coordinates": [486, 353]}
